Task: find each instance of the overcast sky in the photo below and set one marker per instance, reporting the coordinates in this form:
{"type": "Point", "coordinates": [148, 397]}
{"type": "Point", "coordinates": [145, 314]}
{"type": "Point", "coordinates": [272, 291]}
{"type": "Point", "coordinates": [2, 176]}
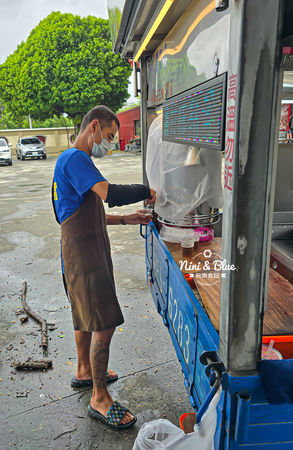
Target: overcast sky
{"type": "Point", "coordinates": [19, 17]}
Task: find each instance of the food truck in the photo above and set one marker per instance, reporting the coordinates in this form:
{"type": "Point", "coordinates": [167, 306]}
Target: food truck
{"type": "Point", "coordinates": [212, 76]}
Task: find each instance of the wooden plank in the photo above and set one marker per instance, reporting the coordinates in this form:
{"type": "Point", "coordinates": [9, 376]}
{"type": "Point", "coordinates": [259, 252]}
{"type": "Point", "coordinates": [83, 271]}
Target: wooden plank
{"type": "Point", "coordinates": [278, 318]}
{"type": "Point", "coordinates": [279, 313]}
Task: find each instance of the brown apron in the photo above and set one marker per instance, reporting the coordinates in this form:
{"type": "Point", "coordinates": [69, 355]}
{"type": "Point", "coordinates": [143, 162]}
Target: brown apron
{"type": "Point", "coordinates": [88, 267]}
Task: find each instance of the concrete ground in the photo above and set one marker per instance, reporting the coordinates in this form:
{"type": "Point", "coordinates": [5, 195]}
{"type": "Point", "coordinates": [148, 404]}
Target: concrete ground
{"type": "Point", "coordinates": [38, 408]}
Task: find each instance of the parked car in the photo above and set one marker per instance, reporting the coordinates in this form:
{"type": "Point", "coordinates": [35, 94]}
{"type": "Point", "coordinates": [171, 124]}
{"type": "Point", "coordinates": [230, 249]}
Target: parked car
{"type": "Point", "coordinates": [5, 152]}
{"type": "Point", "coordinates": [42, 138]}
{"type": "Point", "coordinates": [30, 147]}
{"type": "Point", "coordinates": [3, 137]}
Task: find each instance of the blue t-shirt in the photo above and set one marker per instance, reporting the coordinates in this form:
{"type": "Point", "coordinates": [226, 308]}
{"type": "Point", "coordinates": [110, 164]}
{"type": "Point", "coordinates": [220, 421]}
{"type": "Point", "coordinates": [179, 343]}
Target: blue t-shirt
{"type": "Point", "coordinates": [75, 173]}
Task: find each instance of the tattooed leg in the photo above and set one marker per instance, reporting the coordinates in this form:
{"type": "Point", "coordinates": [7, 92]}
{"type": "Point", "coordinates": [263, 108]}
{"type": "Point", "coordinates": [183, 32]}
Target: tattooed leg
{"type": "Point", "coordinates": [101, 399]}
{"type": "Point", "coordinates": [99, 357]}
{"type": "Point", "coordinates": [83, 343]}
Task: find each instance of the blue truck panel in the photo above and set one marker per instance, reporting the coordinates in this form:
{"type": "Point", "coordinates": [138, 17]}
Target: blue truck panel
{"type": "Point", "coordinates": [201, 381]}
{"type": "Point", "coordinates": [182, 321]}
{"type": "Point", "coordinates": [182, 313]}
{"type": "Point", "coordinates": [274, 446]}
{"type": "Point", "coordinates": [260, 414]}
{"type": "Point", "coordinates": [160, 273]}
{"type": "Point", "coordinates": [245, 420]}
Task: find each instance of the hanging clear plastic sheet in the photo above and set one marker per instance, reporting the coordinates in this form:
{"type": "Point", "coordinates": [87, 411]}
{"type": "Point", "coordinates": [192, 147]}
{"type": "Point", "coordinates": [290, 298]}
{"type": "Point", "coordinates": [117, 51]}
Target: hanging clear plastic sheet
{"type": "Point", "coordinates": [186, 179]}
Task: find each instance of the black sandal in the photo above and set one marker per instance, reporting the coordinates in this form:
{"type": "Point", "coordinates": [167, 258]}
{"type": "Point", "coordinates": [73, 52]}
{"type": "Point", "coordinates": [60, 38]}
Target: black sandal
{"type": "Point", "coordinates": [113, 417]}
{"type": "Point", "coordinates": [75, 383]}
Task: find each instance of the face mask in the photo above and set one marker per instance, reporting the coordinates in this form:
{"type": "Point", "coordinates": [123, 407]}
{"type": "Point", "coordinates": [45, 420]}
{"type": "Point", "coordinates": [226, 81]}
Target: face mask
{"type": "Point", "coordinates": [101, 149]}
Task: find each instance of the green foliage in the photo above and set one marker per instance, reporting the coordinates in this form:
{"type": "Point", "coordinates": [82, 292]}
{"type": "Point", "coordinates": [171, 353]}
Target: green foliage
{"type": "Point", "coordinates": [53, 122]}
{"type": "Point", "coordinates": [10, 121]}
{"type": "Point", "coordinates": [66, 65]}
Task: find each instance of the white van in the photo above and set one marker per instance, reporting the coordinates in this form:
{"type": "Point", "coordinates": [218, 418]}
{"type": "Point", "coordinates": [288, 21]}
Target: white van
{"type": "Point", "coordinates": [5, 152]}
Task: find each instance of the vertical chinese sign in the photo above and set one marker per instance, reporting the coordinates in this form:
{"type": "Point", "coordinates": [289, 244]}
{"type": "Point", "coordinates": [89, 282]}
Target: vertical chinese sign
{"type": "Point", "coordinates": [230, 131]}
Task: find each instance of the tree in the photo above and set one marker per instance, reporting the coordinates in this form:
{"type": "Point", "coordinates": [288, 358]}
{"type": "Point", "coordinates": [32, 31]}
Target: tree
{"type": "Point", "coordinates": [9, 120]}
{"type": "Point", "coordinates": [67, 66]}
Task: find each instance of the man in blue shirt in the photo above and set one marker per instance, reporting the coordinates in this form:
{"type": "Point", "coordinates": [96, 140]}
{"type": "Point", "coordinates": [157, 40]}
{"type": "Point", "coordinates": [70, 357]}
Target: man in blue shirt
{"type": "Point", "coordinates": [77, 193]}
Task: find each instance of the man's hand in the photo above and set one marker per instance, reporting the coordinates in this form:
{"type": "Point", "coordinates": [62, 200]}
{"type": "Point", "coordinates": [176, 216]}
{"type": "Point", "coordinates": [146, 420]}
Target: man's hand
{"type": "Point", "coordinates": [142, 216]}
{"type": "Point", "coordinates": [152, 199]}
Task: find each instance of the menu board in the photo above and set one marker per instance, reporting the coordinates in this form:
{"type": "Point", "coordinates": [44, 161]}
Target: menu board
{"type": "Point", "coordinates": [197, 117]}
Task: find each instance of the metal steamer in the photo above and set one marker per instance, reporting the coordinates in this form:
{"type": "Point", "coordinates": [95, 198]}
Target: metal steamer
{"type": "Point", "coordinates": [194, 219]}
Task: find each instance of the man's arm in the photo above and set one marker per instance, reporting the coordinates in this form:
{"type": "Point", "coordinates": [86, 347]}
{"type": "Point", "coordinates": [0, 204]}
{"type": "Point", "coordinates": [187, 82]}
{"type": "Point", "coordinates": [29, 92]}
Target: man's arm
{"type": "Point", "coordinates": [101, 189]}
{"type": "Point", "coordinates": [114, 219]}
{"type": "Point", "coordinates": [142, 216]}
{"type": "Point", "coordinates": [123, 194]}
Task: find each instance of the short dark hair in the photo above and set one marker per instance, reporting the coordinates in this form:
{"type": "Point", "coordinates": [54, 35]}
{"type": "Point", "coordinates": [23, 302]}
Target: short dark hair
{"type": "Point", "coordinates": [101, 112]}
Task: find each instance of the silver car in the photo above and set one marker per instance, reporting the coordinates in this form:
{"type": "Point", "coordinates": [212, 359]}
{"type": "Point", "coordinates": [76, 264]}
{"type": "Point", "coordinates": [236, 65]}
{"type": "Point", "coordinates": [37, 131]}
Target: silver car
{"type": "Point", "coordinates": [5, 152]}
{"type": "Point", "coordinates": [30, 147]}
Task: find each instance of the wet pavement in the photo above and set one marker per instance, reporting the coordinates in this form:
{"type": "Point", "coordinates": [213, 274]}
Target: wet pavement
{"type": "Point", "coordinates": [39, 408]}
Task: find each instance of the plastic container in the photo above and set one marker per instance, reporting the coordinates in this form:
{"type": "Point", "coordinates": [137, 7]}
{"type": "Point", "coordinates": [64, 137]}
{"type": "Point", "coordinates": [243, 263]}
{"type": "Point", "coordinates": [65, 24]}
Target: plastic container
{"type": "Point", "coordinates": [205, 234]}
{"type": "Point", "coordinates": [284, 344]}
{"type": "Point", "coordinates": [187, 422]}
{"type": "Point", "coordinates": [274, 354]}
{"type": "Point", "coordinates": [148, 210]}
{"type": "Point", "coordinates": [187, 247]}
{"type": "Point", "coordinates": [190, 280]}
{"type": "Point", "coordinates": [175, 234]}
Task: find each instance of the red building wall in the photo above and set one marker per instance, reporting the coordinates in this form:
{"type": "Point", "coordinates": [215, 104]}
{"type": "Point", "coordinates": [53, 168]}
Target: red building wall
{"type": "Point", "coordinates": [127, 123]}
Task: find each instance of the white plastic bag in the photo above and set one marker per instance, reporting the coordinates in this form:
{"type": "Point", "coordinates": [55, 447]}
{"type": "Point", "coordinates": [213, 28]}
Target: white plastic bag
{"type": "Point", "coordinates": [181, 187]}
{"type": "Point", "coordinates": [162, 434]}
{"type": "Point", "coordinates": [158, 434]}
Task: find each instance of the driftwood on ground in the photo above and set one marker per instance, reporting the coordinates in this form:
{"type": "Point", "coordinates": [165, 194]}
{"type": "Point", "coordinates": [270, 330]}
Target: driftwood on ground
{"type": "Point", "coordinates": [34, 365]}
{"type": "Point", "coordinates": [35, 316]}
